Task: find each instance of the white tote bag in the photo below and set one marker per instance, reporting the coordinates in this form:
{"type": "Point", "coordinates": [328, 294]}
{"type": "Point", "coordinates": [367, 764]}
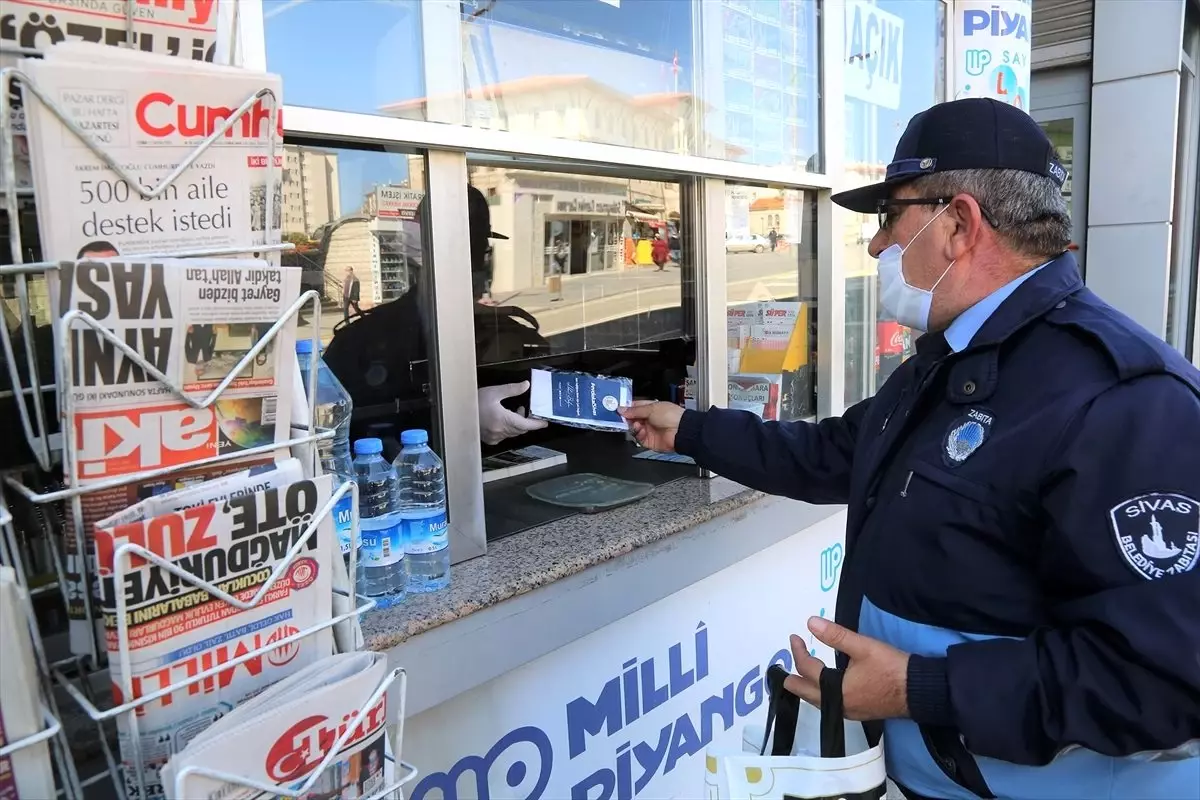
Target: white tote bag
{"type": "Point", "coordinates": [802, 754]}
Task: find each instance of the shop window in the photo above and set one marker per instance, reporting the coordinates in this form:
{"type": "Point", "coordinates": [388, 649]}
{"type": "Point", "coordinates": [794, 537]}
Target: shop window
{"type": "Point", "coordinates": [346, 55]}
{"type": "Point", "coordinates": [884, 41]}
{"type": "Point", "coordinates": [771, 286]}
{"type": "Point", "coordinates": [359, 241]}
{"type": "Point", "coordinates": [574, 68]}
{"type": "Point", "coordinates": [578, 283]}
{"type": "Point", "coordinates": [761, 101]}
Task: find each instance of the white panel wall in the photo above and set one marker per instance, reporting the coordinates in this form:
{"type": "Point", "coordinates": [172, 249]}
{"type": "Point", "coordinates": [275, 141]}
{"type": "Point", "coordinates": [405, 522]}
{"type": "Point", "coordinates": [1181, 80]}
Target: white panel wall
{"type": "Point", "coordinates": [1135, 99]}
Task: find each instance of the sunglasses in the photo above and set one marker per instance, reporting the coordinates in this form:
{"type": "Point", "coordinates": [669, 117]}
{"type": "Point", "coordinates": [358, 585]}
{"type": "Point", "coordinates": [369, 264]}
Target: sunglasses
{"type": "Point", "coordinates": [890, 210]}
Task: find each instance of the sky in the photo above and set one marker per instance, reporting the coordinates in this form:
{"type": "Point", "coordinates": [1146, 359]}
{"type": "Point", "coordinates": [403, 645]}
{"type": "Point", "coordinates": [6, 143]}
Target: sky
{"type": "Point", "coordinates": [375, 59]}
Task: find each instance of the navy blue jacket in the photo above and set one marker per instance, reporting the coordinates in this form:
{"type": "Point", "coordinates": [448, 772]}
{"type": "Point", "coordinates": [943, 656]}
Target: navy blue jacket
{"type": "Point", "coordinates": [1024, 518]}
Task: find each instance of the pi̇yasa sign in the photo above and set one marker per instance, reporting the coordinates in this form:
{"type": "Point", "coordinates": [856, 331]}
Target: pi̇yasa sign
{"type": "Point", "coordinates": [992, 50]}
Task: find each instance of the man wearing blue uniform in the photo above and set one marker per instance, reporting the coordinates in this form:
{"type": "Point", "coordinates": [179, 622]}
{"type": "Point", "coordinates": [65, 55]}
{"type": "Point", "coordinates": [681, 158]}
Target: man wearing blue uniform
{"type": "Point", "coordinates": [1020, 602]}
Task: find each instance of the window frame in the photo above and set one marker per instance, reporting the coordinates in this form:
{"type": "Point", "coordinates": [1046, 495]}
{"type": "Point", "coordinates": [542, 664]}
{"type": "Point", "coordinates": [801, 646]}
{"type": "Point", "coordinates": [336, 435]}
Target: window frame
{"type": "Point", "coordinates": [445, 140]}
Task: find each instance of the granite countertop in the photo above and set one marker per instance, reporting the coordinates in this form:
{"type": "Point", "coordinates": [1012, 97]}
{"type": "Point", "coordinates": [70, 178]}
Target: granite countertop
{"type": "Point", "coordinates": [539, 556]}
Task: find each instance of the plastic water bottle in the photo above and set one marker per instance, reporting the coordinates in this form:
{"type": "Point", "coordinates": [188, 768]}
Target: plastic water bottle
{"type": "Point", "coordinates": [423, 506]}
{"type": "Point", "coordinates": [382, 574]}
{"type": "Point", "coordinates": [332, 409]}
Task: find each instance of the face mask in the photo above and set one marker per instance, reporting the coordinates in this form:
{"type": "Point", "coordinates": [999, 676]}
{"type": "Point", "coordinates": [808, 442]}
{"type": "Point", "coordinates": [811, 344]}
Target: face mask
{"type": "Point", "coordinates": [906, 303]}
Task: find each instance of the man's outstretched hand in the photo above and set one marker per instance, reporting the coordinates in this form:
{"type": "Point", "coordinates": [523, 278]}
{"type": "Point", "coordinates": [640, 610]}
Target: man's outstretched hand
{"type": "Point", "coordinates": [654, 424]}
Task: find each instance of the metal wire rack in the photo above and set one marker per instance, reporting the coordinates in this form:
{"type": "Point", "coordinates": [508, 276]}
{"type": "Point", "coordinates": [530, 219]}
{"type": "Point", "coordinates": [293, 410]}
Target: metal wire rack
{"type": "Point", "coordinates": [75, 675]}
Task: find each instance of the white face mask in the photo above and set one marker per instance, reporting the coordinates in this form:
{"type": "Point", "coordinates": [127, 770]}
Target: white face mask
{"type": "Point", "coordinates": [908, 304]}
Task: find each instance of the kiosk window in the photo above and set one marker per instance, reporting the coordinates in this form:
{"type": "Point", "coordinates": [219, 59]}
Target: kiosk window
{"type": "Point", "coordinates": [771, 285]}
{"type": "Point", "coordinates": [353, 215]}
{"type": "Point", "coordinates": [582, 272]}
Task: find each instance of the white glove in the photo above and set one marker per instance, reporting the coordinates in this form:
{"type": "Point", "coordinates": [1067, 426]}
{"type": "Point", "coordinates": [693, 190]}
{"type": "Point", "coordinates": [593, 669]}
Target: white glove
{"type": "Point", "coordinates": [497, 423]}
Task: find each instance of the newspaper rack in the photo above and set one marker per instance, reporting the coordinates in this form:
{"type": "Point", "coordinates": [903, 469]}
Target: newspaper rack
{"type": "Point", "coordinates": [41, 444]}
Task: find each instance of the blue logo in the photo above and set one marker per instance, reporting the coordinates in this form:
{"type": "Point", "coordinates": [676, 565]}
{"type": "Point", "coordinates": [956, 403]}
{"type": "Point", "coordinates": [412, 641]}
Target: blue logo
{"type": "Point", "coordinates": [966, 435]}
{"type": "Point", "coordinates": [831, 565]}
{"type": "Point", "coordinates": [976, 61]}
{"type": "Point", "coordinates": [996, 23]}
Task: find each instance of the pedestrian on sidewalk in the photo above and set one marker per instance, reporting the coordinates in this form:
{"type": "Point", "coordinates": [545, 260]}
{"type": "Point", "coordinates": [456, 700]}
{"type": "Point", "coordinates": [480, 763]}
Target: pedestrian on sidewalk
{"type": "Point", "coordinates": [660, 252]}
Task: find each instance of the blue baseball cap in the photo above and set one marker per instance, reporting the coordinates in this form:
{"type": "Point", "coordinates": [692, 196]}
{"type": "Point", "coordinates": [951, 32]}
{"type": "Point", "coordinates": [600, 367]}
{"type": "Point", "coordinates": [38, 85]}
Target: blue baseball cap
{"type": "Point", "coordinates": [974, 133]}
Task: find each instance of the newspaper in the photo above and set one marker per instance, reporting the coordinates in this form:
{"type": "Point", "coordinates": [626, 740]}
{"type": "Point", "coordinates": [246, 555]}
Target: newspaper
{"type": "Point", "coordinates": [177, 630]}
{"type": "Point", "coordinates": [194, 320]}
{"type": "Point", "coordinates": [149, 113]}
{"type": "Point", "coordinates": [280, 737]}
{"type": "Point", "coordinates": [185, 28]}
{"type": "Point", "coordinates": [26, 773]}
{"type": "Point", "coordinates": [248, 481]}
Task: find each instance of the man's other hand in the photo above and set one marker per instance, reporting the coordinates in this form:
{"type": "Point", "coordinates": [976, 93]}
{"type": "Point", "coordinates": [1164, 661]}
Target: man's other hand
{"type": "Point", "coordinates": [654, 424]}
{"type": "Point", "coordinates": [497, 423]}
{"type": "Point", "coordinates": [875, 685]}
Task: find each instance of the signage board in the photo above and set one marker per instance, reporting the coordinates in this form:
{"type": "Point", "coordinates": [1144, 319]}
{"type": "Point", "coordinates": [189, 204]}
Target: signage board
{"type": "Point", "coordinates": [874, 54]}
{"type": "Point", "coordinates": [397, 202]}
{"type": "Point", "coordinates": [992, 50]}
{"type": "Point", "coordinates": [629, 710]}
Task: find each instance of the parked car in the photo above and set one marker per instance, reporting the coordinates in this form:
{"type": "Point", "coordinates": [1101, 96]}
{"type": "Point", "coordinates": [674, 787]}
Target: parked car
{"type": "Point", "coordinates": [750, 243]}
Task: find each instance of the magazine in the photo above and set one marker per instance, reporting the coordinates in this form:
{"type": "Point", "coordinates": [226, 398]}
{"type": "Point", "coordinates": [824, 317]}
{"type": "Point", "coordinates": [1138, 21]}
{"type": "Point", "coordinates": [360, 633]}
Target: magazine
{"type": "Point", "coordinates": [281, 736]}
{"type": "Point", "coordinates": [194, 320]}
{"type": "Point", "coordinates": [521, 461]}
{"type": "Point", "coordinates": [760, 394]}
{"type": "Point", "coordinates": [579, 400]}
{"type": "Point", "coordinates": [149, 113]}
{"type": "Point", "coordinates": [176, 630]}
{"type": "Point", "coordinates": [26, 773]}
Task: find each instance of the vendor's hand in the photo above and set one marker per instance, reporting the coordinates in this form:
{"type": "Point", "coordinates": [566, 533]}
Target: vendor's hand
{"type": "Point", "coordinates": [497, 423]}
{"type": "Point", "coordinates": [875, 685]}
{"type": "Point", "coordinates": [654, 424]}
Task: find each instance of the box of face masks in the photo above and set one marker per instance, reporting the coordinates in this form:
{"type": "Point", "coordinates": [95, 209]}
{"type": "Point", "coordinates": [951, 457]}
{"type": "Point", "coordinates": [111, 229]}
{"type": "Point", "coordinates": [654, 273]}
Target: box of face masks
{"type": "Point", "coordinates": [579, 400]}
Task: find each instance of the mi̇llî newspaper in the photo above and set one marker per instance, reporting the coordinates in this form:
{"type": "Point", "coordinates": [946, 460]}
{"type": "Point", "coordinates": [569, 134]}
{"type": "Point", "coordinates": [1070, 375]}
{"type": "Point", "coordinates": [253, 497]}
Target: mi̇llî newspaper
{"type": "Point", "coordinates": [177, 630]}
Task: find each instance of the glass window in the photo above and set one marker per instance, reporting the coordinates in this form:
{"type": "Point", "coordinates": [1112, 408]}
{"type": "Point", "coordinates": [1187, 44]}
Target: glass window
{"type": "Point", "coordinates": [583, 272]}
{"type": "Point", "coordinates": [895, 68]}
{"type": "Point", "coordinates": [771, 285]}
{"type": "Point", "coordinates": [761, 82]}
{"type": "Point", "coordinates": [355, 217]}
{"type": "Point", "coordinates": [346, 55]}
{"type": "Point", "coordinates": [1185, 262]}
{"type": "Point", "coordinates": [613, 71]}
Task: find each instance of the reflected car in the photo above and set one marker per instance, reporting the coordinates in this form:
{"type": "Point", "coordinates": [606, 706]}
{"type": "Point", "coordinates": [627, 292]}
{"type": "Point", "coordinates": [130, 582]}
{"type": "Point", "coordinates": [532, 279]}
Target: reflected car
{"type": "Point", "coordinates": [753, 243]}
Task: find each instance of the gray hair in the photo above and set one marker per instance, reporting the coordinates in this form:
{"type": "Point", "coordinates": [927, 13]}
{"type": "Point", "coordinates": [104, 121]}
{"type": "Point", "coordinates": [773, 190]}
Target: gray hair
{"type": "Point", "coordinates": [1028, 211]}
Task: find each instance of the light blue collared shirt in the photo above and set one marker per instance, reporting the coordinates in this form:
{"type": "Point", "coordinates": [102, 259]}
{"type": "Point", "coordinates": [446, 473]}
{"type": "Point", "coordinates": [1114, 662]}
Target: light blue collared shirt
{"type": "Point", "coordinates": [963, 329]}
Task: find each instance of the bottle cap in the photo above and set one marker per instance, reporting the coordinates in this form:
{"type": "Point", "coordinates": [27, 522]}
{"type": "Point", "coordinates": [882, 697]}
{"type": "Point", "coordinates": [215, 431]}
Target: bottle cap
{"type": "Point", "coordinates": [415, 436]}
{"type": "Point", "coordinates": [367, 446]}
{"type": "Point", "coordinates": [306, 346]}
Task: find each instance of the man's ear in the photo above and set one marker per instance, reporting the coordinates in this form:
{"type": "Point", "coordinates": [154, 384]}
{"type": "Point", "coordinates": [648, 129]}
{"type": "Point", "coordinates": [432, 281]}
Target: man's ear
{"type": "Point", "coordinates": [963, 212]}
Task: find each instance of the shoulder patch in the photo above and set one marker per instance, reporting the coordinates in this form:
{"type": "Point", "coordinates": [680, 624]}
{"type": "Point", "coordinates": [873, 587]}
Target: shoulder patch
{"type": "Point", "coordinates": [1158, 534]}
{"type": "Point", "coordinates": [966, 435]}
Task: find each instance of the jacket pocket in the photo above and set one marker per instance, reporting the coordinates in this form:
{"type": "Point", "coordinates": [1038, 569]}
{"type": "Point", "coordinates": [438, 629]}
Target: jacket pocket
{"type": "Point", "coordinates": [955, 483]}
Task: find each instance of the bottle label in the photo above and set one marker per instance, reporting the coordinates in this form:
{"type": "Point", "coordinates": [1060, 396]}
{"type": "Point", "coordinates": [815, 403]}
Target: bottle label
{"type": "Point", "coordinates": [428, 534]}
{"type": "Point", "coordinates": [343, 520]}
{"type": "Point", "coordinates": [382, 544]}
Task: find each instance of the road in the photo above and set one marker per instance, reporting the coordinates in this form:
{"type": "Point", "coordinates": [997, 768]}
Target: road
{"type": "Point", "coordinates": [605, 296]}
